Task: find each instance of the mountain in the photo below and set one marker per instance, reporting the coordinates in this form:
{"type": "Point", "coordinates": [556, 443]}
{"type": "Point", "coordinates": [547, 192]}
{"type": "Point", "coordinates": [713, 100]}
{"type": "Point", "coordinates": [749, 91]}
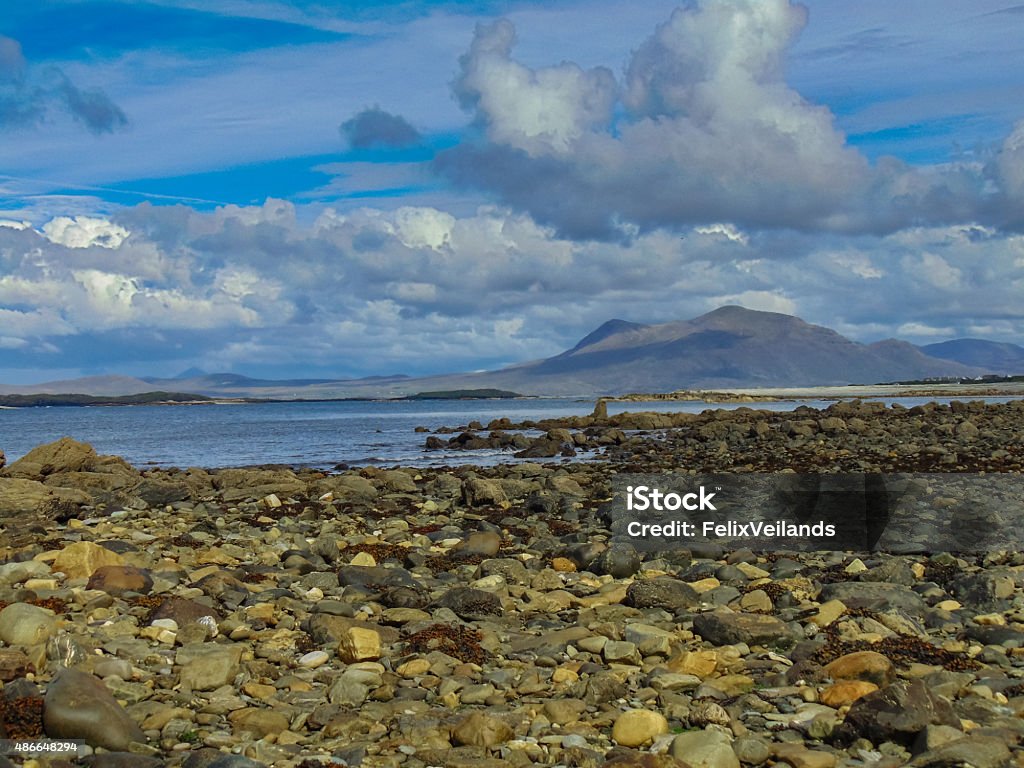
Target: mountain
{"type": "Point", "coordinates": [729, 348]}
{"type": "Point", "coordinates": [993, 356]}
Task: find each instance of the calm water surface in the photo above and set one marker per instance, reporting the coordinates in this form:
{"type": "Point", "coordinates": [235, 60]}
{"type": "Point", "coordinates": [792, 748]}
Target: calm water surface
{"type": "Point", "coordinates": [302, 434]}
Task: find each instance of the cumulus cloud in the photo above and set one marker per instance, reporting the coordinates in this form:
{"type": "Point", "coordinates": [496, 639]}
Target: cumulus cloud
{"type": "Point", "coordinates": [419, 290]}
{"type": "Point", "coordinates": [84, 232]}
{"type": "Point", "coordinates": [29, 93]}
{"type": "Point", "coordinates": [700, 128]}
{"type": "Point", "coordinates": [375, 127]}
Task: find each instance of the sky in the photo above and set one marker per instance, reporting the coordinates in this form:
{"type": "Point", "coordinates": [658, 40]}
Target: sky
{"type": "Point", "coordinates": [342, 189]}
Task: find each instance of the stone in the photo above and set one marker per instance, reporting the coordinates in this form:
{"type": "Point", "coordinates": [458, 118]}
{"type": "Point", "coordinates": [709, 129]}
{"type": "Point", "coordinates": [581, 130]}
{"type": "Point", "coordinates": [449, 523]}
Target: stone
{"type": "Point", "coordinates": [481, 730]}
{"type": "Point", "coordinates": [314, 659]}
{"type": "Point", "coordinates": [468, 603]}
{"type": "Point", "coordinates": [636, 727]}
{"type": "Point", "coordinates": [634, 759]}
{"type": "Point", "coordinates": [874, 596]}
{"type": "Point", "coordinates": [484, 543]}
{"type": "Point", "coordinates": [563, 565]}
{"type": "Point", "coordinates": [975, 751]}
{"type": "Point", "coordinates": [24, 624]}
{"type": "Point", "coordinates": [620, 652]}
{"type": "Point", "coordinates": [751, 750]}
{"type": "Point", "coordinates": [846, 692]}
{"type": "Point", "coordinates": [564, 711]}
{"type": "Point", "coordinates": [799, 756]}
{"type": "Point", "coordinates": [16, 573]}
{"type": "Point", "coordinates": [183, 611]}
{"type": "Point", "coordinates": [704, 749]}
{"type": "Point", "coordinates": [478, 492]}
{"type": "Point", "coordinates": [828, 612]}
{"type": "Point", "coordinates": [347, 691]}
{"type": "Point", "coordinates": [898, 713]}
{"type": "Point", "coordinates": [206, 666]}
{"type": "Point", "coordinates": [699, 663]}
{"type": "Point", "coordinates": [620, 561]}
{"type": "Point", "coordinates": [727, 628]}
{"type": "Point", "coordinates": [81, 559]}
{"type": "Point", "coordinates": [14, 665]}
{"type": "Point", "coordinates": [868, 666]}
{"type": "Point", "coordinates": [79, 706]}
{"type": "Point", "coordinates": [118, 579]}
{"type": "Point", "coordinates": [662, 592]}
{"type": "Point", "coordinates": [258, 722]}
{"type": "Point", "coordinates": [64, 455]}
{"type": "Point", "coordinates": [359, 644]}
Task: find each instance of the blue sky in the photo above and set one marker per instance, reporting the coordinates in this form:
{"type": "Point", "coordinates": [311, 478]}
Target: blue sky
{"type": "Point", "coordinates": [426, 187]}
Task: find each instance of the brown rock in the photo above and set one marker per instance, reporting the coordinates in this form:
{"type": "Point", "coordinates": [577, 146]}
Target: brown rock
{"type": "Point", "coordinates": [118, 579]}
{"type": "Point", "coordinates": [13, 664]}
{"type": "Point", "coordinates": [868, 666]}
{"type": "Point", "coordinates": [633, 759]}
{"type": "Point", "coordinates": [846, 692]}
{"type": "Point", "coordinates": [258, 722]}
{"type": "Point", "coordinates": [183, 611]}
{"type": "Point", "coordinates": [563, 565]}
{"type": "Point", "coordinates": [359, 644]}
{"type": "Point", "coordinates": [636, 727]}
{"type": "Point", "coordinates": [81, 559]}
{"type": "Point", "coordinates": [800, 756]}
{"type": "Point", "coordinates": [64, 455]}
{"type": "Point", "coordinates": [481, 730]}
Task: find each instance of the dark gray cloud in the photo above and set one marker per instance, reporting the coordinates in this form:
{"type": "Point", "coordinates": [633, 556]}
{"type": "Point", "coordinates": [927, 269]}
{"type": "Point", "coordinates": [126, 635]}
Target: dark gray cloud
{"type": "Point", "coordinates": [701, 128]}
{"type": "Point", "coordinates": [28, 94]}
{"type": "Point", "coordinates": [373, 127]}
{"type": "Point", "coordinates": [93, 108]}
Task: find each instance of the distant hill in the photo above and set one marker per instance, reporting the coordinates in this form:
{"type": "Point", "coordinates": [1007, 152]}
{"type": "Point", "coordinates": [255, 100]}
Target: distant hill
{"type": "Point", "coordinates": [728, 348]}
{"type": "Point", "coordinates": [992, 356]}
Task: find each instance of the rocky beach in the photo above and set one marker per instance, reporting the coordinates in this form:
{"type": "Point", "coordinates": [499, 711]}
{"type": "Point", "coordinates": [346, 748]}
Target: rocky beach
{"type": "Point", "coordinates": [476, 617]}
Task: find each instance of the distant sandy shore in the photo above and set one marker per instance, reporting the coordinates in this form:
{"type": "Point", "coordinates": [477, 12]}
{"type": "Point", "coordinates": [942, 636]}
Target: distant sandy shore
{"type": "Point", "coordinates": [755, 394]}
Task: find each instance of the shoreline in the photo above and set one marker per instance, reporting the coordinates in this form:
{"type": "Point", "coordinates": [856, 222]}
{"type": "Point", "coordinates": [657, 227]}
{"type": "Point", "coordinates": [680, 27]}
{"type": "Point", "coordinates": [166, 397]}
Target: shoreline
{"type": "Point", "coordinates": [486, 616]}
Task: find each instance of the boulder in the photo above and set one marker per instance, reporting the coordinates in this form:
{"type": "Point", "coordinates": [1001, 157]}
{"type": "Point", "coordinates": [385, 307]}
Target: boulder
{"type": "Point", "coordinates": [64, 455]}
{"type": "Point", "coordinates": [79, 706]}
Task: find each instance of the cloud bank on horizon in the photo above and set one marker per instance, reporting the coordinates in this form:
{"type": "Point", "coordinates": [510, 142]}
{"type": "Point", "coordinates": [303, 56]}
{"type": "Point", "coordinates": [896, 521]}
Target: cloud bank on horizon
{"type": "Point", "coordinates": [303, 189]}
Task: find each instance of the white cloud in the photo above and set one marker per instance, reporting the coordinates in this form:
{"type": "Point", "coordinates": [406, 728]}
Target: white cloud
{"type": "Point", "coordinates": [764, 301]}
{"type": "Point", "coordinates": [84, 232]}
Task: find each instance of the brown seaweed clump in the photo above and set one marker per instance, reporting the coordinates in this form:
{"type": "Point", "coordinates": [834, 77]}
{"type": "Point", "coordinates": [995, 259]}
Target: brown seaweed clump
{"type": "Point", "coordinates": [21, 718]}
{"type": "Point", "coordinates": [458, 642]}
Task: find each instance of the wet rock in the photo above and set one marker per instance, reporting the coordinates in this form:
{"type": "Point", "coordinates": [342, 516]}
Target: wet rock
{"type": "Point", "coordinates": [868, 666]}
{"type": "Point", "coordinates": [79, 706]}
{"type": "Point", "coordinates": [633, 759]}
{"type": "Point", "coordinates": [898, 713]}
{"type": "Point", "coordinates": [726, 628]}
{"type": "Point", "coordinates": [663, 592]}
{"type": "Point", "coordinates": [121, 760]}
{"type": "Point", "coordinates": [469, 603]}
{"type": "Point", "coordinates": [118, 579]}
{"type": "Point", "coordinates": [874, 596]}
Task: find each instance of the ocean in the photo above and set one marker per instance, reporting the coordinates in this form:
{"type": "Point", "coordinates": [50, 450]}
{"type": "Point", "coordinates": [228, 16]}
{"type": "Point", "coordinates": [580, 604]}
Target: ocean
{"type": "Point", "coordinates": [319, 435]}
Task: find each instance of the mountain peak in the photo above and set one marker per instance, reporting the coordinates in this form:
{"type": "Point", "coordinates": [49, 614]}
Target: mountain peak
{"type": "Point", "coordinates": [606, 329]}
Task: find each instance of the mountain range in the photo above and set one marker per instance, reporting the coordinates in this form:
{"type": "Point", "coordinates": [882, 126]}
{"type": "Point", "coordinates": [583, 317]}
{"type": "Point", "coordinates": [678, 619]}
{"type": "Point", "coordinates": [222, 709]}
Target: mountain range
{"type": "Point", "coordinates": [728, 348]}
